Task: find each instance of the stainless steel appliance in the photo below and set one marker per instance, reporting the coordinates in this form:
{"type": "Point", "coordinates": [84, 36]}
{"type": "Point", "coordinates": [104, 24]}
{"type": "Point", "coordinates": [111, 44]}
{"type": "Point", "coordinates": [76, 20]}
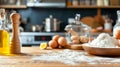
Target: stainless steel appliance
{"type": "Point", "coordinates": [51, 24]}
{"type": "Point", "coordinates": [35, 38]}
{"type": "Point", "coordinates": [46, 3]}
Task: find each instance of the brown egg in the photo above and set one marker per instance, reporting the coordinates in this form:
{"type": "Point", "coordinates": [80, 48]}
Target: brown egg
{"type": "Point", "coordinates": [53, 44]}
{"type": "Point", "coordinates": [75, 41]}
{"type": "Point", "coordinates": [74, 38]}
{"type": "Point", "coordinates": [84, 39]}
{"type": "Point", "coordinates": [62, 41]}
{"type": "Point", "coordinates": [56, 37]}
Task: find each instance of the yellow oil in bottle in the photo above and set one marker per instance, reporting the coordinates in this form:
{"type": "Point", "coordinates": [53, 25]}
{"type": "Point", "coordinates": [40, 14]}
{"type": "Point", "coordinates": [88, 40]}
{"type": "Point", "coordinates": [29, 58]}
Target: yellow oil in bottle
{"type": "Point", "coordinates": [4, 42]}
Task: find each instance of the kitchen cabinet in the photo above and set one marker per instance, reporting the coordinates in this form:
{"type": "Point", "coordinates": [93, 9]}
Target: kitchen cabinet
{"type": "Point", "coordinates": [13, 4]}
{"type": "Point", "coordinates": [47, 3]}
{"type": "Point", "coordinates": [95, 6]}
{"type": "Point", "coordinates": [113, 5]}
{"type": "Point", "coordinates": [99, 8]}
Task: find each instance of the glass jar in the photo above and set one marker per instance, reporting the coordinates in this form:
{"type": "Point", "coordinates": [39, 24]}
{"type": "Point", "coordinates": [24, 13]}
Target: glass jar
{"type": "Point", "coordinates": [116, 28]}
{"type": "Point", "coordinates": [100, 2]}
{"type": "Point", "coordinates": [77, 28]}
{"type": "Point", "coordinates": [75, 2]}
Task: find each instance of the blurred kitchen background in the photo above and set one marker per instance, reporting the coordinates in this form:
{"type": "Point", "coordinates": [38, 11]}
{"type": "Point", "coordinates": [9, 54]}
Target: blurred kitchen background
{"type": "Point", "coordinates": [35, 14]}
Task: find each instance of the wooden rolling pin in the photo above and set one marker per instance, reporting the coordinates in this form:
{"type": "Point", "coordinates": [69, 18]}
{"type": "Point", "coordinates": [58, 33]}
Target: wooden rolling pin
{"type": "Point", "coordinates": [15, 41]}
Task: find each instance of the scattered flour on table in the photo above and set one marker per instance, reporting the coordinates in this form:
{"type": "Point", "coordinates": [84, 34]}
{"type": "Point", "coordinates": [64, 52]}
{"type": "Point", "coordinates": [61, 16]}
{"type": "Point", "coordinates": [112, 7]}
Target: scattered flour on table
{"type": "Point", "coordinates": [73, 57]}
{"type": "Point", "coordinates": [104, 40]}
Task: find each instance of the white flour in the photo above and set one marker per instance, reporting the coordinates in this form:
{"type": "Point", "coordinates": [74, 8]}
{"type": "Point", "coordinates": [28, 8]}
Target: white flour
{"type": "Point", "coordinates": [104, 40]}
{"type": "Point", "coordinates": [73, 57]}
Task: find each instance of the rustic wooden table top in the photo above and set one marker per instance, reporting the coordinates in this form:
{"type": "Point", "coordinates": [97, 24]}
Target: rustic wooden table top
{"type": "Point", "coordinates": [24, 60]}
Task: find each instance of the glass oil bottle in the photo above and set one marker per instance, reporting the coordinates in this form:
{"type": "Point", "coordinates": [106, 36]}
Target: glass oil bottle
{"type": "Point", "coordinates": [4, 35]}
{"type": "Point", "coordinates": [116, 28]}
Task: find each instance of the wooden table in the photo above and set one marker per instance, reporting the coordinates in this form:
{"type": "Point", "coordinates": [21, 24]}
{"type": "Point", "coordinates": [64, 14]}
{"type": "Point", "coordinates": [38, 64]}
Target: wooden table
{"type": "Point", "coordinates": [24, 60]}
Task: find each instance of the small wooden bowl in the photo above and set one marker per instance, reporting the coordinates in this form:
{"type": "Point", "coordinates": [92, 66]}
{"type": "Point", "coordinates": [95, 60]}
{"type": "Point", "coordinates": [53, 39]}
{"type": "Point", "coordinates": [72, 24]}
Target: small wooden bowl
{"type": "Point", "coordinates": [102, 51]}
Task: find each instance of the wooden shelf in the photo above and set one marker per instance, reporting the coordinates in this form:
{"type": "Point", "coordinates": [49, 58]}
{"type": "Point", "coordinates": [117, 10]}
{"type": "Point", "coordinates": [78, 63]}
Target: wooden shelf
{"type": "Point", "coordinates": [98, 8]}
{"type": "Point", "coordinates": [13, 6]}
{"type": "Point", "coordinates": [93, 7]}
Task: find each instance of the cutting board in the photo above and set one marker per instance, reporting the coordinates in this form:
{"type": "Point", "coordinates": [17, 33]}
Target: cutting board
{"type": "Point", "coordinates": [74, 46]}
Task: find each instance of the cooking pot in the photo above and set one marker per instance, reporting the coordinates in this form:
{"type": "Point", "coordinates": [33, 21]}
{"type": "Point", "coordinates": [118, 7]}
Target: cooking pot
{"type": "Point", "coordinates": [51, 24]}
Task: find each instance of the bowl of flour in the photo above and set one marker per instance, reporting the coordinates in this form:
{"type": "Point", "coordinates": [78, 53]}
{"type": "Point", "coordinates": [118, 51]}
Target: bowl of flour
{"type": "Point", "coordinates": [103, 45]}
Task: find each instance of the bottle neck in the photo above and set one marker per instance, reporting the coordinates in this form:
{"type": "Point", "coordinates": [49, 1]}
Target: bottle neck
{"type": "Point", "coordinates": [118, 18]}
{"type": "Point", "coordinates": [2, 21]}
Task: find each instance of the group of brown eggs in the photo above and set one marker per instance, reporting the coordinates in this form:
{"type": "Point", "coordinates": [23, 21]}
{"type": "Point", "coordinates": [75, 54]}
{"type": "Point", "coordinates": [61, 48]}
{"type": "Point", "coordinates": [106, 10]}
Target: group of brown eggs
{"type": "Point", "coordinates": [56, 42]}
{"type": "Point", "coordinates": [60, 42]}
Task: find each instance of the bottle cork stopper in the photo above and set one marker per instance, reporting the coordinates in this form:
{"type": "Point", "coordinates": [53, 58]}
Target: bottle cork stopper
{"type": "Point", "coordinates": [15, 41]}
